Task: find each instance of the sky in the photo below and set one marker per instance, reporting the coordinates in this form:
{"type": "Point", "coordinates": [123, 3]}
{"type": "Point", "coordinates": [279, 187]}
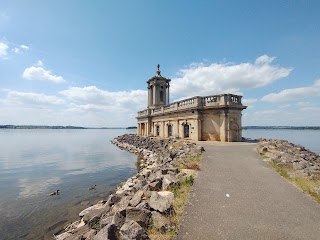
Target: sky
{"type": "Point", "coordinates": [86, 63]}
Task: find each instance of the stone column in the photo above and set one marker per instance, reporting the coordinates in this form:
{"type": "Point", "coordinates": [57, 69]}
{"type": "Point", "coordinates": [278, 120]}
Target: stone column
{"type": "Point", "coordinates": [155, 95]}
{"type": "Point", "coordinates": [149, 95]}
{"type": "Point", "coordinates": [168, 93]}
{"type": "Point", "coordinates": [223, 126]}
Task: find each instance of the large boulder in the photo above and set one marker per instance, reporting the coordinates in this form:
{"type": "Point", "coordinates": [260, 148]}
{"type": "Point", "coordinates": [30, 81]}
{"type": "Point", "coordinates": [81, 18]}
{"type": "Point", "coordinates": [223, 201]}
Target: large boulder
{"type": "Point", "coordinates": [141, 216]}
{"type": "Point", "coordinates": [169, 181]}
{"type": "Point", "coordinates": [161, 201]}
{"type": "Point", "coordinates": [131, 230]}
{"type": "Point", "coordinates": [109, 232]}
{"type": "Point", "coordinates": [136, 198]}
{"type": "Point", "coordinates": [159, 221]}
{"type": "Point", "coordinates": [95, 210]}
{"type": "Point", "coordinates": [155, 185]}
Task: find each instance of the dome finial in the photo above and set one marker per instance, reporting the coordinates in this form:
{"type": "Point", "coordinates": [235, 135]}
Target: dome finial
{"type": "Point", "coordinates": [158, 71]}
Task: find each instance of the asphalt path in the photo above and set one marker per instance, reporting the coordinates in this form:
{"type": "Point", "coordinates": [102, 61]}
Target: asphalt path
{"type": "Point", "coordinates": [237, 195]}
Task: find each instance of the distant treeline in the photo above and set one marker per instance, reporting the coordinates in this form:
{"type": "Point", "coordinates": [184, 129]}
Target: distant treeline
{"type": "Point", "coordinates": [282, 127]}
{"type": "Point", "coordinates": [131, 127]}
{"type": "Point", "coordinates": [39, 127]}
{"type": "Point", "coordinates": [55, 127]}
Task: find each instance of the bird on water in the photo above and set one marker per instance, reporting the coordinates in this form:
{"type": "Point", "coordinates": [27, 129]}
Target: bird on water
{"type": "Point", "coordinates": [92, 188]}
{"type": "Point", "coordinates": [54, 193]}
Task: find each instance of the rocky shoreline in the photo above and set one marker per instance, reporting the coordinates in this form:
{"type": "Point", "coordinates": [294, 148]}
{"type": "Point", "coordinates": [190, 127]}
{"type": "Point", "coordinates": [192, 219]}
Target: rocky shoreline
{"type": "Point", "coordinates": [297, 161]}
{"type": "Point", "coordinates": [145, 200]}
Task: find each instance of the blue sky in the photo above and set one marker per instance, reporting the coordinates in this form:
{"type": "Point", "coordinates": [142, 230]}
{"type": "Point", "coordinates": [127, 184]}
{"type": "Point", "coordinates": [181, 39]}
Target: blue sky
{"type": "Point", "coordinates": [86, 63]}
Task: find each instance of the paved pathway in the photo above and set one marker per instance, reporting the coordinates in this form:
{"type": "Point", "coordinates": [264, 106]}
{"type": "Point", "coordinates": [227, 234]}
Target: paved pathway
{"type": "Point", "coordinates": [239, 196]}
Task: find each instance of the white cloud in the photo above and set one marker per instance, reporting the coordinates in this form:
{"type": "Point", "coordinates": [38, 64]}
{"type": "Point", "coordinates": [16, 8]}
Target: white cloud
{"type": "Point", "coordinates": [249, 101]}
{"type": "Point", "coordinates": [40, 74]}
{"type": "Point", "coordinates": [24, 47]}
{"type": "Point", "coordinates": [294, 93]}
{"type": "Point", "coordinates": [40, 63]}
{"type": "Point", "coordinates": [93, 96]}
{"type": "Point", "coordinates": [201, 79]}
{"type": "Point", "coordinates": [16, 50]}
{"type": "Point", "coordinates": [284, 117]}
{"type": "Point", "coordinates": [3, 50]}
{"type": "Point", "coordinates": [285, 106]}
{"type": "Point", "coordinates": [32, 98]}
{"type": "Point", "coordinates": [264, 59]}
{"type": "Point", "coordinates": [20, 49]}
{"type": "Point", "coordinates": [86, 106]}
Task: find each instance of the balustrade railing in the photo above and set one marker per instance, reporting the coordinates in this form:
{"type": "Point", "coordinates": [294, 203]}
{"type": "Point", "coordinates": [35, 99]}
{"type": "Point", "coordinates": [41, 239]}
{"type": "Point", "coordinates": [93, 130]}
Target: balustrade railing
{"type": "Point", "coordinates": [195, 102]}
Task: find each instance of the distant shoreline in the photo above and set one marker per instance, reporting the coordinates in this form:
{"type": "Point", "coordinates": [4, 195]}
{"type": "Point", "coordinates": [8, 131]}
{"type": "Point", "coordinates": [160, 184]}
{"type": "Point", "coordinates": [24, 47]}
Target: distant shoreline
{"type": "Point", "coordinates": [133, 127]}
{"type": "Point", "coordinates": [56, 127]}
{"type": "Point", "coordinates": [282, 127]}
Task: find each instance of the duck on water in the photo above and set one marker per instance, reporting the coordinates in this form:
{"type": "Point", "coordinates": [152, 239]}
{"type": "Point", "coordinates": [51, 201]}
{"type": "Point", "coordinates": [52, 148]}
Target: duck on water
{"type": "Point", "coordinates": [54, 193]}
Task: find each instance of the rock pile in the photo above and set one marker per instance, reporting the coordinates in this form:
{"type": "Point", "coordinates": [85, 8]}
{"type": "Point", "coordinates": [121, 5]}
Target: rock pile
{"type": "Point", "coordinates": [302, 161]}
{"type": "Point", "coordinates": [144, 200]}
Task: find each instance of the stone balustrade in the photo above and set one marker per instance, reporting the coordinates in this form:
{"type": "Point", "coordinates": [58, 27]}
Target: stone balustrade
{"type": "Point", "coordinates": [195, 102]}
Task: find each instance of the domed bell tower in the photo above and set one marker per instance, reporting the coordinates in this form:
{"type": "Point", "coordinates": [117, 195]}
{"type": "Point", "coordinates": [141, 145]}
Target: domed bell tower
{"type": "Point", "coordinates": [158, 90]}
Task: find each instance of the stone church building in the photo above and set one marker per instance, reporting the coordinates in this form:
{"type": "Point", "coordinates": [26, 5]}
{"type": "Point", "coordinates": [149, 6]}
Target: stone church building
{"type": "Point", "coordinates": [208, 118]}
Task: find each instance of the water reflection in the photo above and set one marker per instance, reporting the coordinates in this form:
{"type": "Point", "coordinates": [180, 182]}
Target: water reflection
{"type": "Point", "coordinates": [30, 187]}
{"type": "Point", "coordinates": [34, 163]}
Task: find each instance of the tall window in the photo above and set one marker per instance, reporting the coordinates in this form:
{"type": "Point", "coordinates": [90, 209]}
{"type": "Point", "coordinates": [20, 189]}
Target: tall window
{"type": "Point", "coordinates": [186, 130]}
{"type": "Point", "coordinates": [169, 130]}
{"type": "Point", "coordinates": [158, 130]}
{"type": "Point", "coordinates": [161, 96]}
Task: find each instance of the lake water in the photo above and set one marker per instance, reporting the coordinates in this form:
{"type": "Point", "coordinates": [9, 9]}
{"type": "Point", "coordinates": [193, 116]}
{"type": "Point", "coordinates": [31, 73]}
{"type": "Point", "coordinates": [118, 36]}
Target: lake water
{"type": "Point", "coordinates": [307, 138]}
{"type": "Point", "coordinates": [34, 163]}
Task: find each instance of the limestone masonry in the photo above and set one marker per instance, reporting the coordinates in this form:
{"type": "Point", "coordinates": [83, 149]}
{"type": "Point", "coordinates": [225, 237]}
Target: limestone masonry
{"type": "Point", "coordinates": [209, 118]}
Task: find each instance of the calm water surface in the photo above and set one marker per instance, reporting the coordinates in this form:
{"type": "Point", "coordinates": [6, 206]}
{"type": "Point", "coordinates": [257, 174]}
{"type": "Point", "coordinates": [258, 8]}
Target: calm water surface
{"type": "Point", "coordinates": [307, 138]}
{"type": "Point", "coordinates": [34, 163]}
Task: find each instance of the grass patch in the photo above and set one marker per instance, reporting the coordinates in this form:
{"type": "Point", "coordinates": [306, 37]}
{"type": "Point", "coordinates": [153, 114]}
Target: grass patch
{"type": "Point", "coordinates": [181, 195]}
{"type": "Point", "coordinates": [155, 234]}
{"type": "Point", "coordinates": [282, 170]}
{"type": "Point", "coordinates": [192, 162]}
{"type": "Point", "coordinates": [306, 184]}
{"type": "Point", "coordinates": [94, 223]}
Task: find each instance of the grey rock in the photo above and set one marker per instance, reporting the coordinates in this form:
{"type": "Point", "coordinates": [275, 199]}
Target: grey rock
{"type": "Point", "coordinates": [169, 181]}
{"type": "Point", "coordinates": [300, 165]}
{"type": "Point", "coordinates": [141, 216]}
{"type": "Point", "coordinates": [143, 205]}
{"type": "Point", "coordinates": [113, 198]}
{"type": "Point", "coordinates": [90, 235]}
{"type": "Point", "coordinates": [119, 218]}
{"type": "Point", "coordinates": [96, 212]}
{"type": "Point", "coordinates": [161, 201]}
{"type": "Point", "coordinates": [97, 207]}
{"type": "Point", "coordinates": [106, 221]}
{"type": "Point", "coordinates": [136, 198]}
{"type": "Point", "coordinates": [131, 230]}
{"type": "Point", "coordinates": [109, 232]}
{"type": "Point", "coordinates": [159, 221]}
{"type": "Point", "coordinates": [156, 185]}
